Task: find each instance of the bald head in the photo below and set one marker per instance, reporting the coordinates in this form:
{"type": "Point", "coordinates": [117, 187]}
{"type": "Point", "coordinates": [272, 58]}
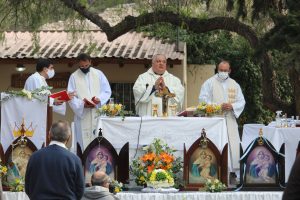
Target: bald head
{"type": "Point", "coordinates": [101, 179]}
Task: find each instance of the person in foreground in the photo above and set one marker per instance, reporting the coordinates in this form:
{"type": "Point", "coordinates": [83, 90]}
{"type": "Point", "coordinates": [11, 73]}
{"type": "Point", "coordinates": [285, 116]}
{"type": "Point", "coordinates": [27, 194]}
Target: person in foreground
{"type": "Point", "coordinates": [100, 188]}
{"type": "Point", "coordinates": [53, 172]}
{"type": "Point", "coordinates": [292, 190]}
{"type": "Point", "coordinates": [221, 89]}
{"type": "Point", "coordinates": [155, 79]}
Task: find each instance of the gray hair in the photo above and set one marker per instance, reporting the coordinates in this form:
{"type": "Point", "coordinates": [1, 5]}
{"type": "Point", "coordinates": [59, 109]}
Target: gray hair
{"type": "Point", "coordinates": [100, 179]}
{"type": "Point", "coordinates": [60, 131]}
{"type": "Point", "coordinates": [154, 58]}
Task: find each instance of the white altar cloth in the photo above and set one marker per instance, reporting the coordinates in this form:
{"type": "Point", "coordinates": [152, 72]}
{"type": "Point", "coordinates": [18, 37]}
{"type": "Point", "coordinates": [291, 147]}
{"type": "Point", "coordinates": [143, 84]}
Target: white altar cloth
{"type": "Point", "coordinates": [174, 130]}
{"type": "Point", "coordinates": [277, 136]}
{"type": "Point", "coordinates": [176, 196]}
{"type": "Point", "coordinates": [201, 196]}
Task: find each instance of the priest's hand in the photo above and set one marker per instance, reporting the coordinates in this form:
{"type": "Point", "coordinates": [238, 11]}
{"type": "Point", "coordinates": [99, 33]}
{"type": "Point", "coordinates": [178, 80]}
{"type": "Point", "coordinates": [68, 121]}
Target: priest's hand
{"type": "Point", "coordinates": [57, 102]}
{"type": "Point", "coordinates": [160, 83]}
{"type": "Point", "coordinates": [226, 106]}
{"type": "Point", "coordinates": [71, 95]}
{"type": "Point", "coordinates": [96, 100]}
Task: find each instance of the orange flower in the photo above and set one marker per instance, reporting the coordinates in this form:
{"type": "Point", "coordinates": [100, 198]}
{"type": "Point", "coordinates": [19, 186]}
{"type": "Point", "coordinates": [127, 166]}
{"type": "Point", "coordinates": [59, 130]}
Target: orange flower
{"type": "Point", "coordinates": [169, 166]}
{"type": "Point", "coordinates": [166, 157]}
{"type": "Point", "coordinates": [209, 109]}
{"type": "Point", "coordinates": [150, 168]}
{"type": "Point", "coordinates": [148, 157]}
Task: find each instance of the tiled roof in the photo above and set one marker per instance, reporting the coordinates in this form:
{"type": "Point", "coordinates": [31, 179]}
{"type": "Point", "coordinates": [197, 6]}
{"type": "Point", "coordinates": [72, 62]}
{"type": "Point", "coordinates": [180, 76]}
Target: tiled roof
{"type": "Point", "coordinates": [61, 44]}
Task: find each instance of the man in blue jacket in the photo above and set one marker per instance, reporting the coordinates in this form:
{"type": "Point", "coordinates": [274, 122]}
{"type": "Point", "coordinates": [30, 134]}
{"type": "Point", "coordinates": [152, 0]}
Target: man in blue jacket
{"type": "Point", "coordinates": [53, 172]}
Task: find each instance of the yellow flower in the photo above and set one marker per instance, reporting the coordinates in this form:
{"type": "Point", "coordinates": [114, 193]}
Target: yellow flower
{"type": "Point", "coordinates": [117, 189]}
{"type": "Point", "coordinates": [118, 107]}
{"type": "Point", "coordinates": [142, 178]}
{"type": "Point", "coordinates": [104, 107]}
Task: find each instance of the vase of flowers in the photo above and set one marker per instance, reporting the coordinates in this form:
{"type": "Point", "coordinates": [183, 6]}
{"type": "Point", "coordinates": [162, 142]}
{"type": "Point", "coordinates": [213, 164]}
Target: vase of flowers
{"type": "Point", "coordinates": [207, 110]}
{"type": "Point", "coordinates": [115, 187]}
{"type": "Point", "coordinates": [113, 110]}
{"type": "Point", "coordinates": [157, 167]}
{"type": "Point", "coordinates": [214, 185]}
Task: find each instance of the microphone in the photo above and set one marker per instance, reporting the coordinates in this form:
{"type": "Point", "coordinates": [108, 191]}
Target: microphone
{"type": "Point", "coordinates": [142, 95]}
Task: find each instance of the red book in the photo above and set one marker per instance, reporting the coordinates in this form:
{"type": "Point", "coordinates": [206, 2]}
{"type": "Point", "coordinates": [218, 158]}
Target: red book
{"type": "Point", "coordinates": [89, 102]}
{"type": "Point", "coordinates": [62, 95]}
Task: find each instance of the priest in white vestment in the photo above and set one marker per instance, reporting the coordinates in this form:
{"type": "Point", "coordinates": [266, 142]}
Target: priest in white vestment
{"type": "Point", "coordinates": [156, 78]}
{"type": "Point", "coordinates": [221, 89]}
{"type": "Point", "coordinates": [91, 84]}
{"type": "Point", "coordinates": [45, 70]}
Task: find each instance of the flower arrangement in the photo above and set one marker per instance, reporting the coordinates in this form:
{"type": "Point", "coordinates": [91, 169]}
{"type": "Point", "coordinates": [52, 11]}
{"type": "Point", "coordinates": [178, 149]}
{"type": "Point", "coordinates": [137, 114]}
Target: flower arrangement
{"type": "Point", "coordinates": [38, 94]}
{"type": "Point", "coordinates": [214, 185]}
{"type": "Point", "coordinates": [160, 178]}
{"type": "Point", "coordinates": [156, 164]}
{"type": "Point", "coordinates": [17, 185]}
{"type": "Point", "coordinates": [208, 109]}
{"type": "Point", "coordinates": [113, 110]}
{"type": "Point", "coordinates": [116, 186]}
{"type": "Point", "coordinates": [3, 171]}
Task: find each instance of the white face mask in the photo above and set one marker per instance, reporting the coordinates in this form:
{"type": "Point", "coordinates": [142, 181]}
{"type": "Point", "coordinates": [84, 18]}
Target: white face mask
{"type": "Point", "coordinates": [223, 75]}
{"type": "Point", "coordinates": [50, 73]}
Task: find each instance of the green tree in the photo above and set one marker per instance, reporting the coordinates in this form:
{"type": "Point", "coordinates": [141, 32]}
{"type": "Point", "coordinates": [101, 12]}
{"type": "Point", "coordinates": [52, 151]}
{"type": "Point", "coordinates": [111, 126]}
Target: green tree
{"type": "Point", "coordinates": [30, 14]}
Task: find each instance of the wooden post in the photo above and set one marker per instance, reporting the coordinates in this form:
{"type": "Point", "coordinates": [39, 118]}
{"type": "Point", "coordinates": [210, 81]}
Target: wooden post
{"type": "Point", "coordinates": [49, 122]}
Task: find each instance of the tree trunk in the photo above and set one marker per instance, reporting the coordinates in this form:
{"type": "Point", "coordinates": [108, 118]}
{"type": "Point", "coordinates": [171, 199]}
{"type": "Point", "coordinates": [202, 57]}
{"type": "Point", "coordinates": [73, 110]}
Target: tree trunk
{"type": "Point", "coordinates": [295, 80]}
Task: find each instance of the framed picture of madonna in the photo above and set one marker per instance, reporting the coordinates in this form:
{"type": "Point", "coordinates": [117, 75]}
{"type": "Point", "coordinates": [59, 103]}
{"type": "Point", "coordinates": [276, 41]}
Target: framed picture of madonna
{"type": "Point", "coordinates": [203, 161]}
{"type": "Point", "coordinates": [261, 166]}
{"type": "Point", "coordinates": [100, 155]}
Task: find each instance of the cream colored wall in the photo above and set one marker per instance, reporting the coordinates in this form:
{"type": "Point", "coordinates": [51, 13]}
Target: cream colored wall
{"type": "Point", "coordinates": [196, 75]}
{"type": "Point", "coordinates": [127, 74]}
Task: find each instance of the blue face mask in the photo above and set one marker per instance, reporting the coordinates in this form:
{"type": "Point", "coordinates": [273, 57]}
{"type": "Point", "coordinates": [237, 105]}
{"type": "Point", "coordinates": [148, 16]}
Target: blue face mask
{"type": "Point", "coordinates": [85, 70]}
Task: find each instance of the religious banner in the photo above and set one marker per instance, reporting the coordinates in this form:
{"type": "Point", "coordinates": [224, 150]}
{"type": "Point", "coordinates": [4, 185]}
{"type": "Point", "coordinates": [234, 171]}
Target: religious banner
{"type": "Point", "coordinates": [23, 116]}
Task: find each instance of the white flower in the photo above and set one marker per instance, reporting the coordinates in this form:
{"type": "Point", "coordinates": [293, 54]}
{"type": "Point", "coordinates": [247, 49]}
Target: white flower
{"type": "Point", "coordinates": [45, 92]}
{"type": "Point", "coordinates": [27, 93]}
{"type": "Point", "coordinates": [145, 148]}
{"type": "Point", "coordinates": [217, 181]}
{"type": "Point", "coordinates": [213, 187]}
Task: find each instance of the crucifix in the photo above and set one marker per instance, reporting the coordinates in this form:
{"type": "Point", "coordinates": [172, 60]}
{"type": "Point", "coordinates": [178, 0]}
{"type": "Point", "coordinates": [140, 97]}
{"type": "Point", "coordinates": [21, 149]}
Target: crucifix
{"type": "Point", "coordinates": [165, 94]}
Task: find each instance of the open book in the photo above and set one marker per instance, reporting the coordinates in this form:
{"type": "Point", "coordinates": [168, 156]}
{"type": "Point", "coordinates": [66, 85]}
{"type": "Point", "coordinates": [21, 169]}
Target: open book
{"type": "Point", "coordinates": [89, 102]}
{"type": "Point", "coordinates": [61, 95]}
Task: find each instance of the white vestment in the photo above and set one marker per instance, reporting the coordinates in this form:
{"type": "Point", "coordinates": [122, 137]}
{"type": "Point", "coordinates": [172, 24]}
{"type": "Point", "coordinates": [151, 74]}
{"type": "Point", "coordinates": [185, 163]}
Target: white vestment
{"type": "Point", "coordinates": [215, 90]}
{"type": "Point", "coordinates": [35, 81]}
{"type": "Point", "coordinates": [94, 83]}
{"type": "Point", "coordinates": [144, 99]}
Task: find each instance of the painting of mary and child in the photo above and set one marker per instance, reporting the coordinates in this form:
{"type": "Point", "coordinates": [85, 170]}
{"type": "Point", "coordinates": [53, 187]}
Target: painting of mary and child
{"type": "Point", "coordinates": [260, 166]}
{"type": "Point", "coordinates": [99, 159]}
{"type": "Point", "coordinates": [203, 167]}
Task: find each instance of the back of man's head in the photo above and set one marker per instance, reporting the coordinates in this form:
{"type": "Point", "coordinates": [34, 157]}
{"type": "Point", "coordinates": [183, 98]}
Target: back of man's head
{"type": "Point", "coordinates": [60, 131]}
{"type": "Point", "coordinates": [100, 178]}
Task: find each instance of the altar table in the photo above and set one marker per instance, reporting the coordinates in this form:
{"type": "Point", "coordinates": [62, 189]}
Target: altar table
{"type": "Point", "coordinates": [176, 131]}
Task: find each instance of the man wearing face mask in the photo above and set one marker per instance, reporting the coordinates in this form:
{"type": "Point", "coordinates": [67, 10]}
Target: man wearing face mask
{"type": "Point", "coordinates": [45, 70]}
{"type": "Point", "coordinates": [91, 84]}
{"type": "Point", "coordinates": [221, 89]}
